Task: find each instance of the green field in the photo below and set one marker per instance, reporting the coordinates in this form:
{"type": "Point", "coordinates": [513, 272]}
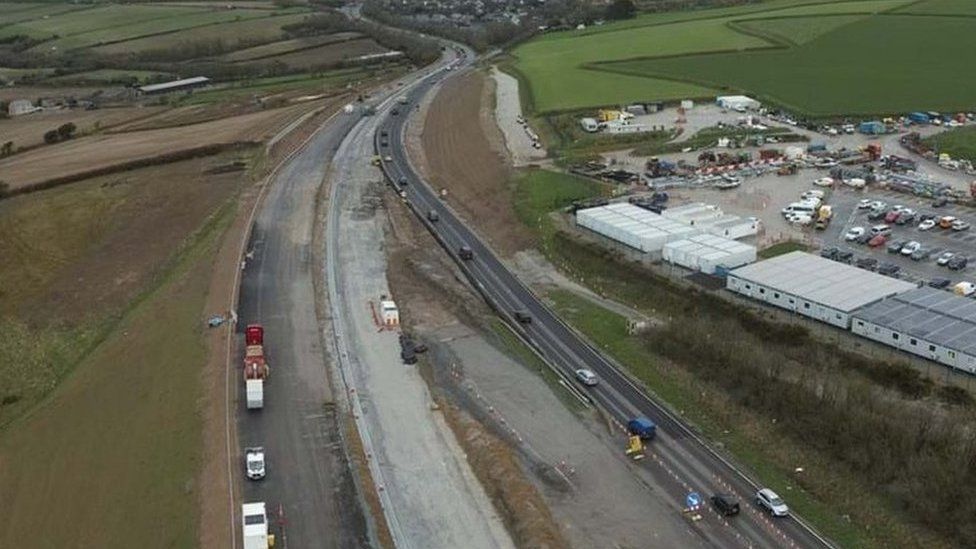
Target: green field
{"type": "Point", "coordinates": [942, 7]}
{"type": "Point", "coordinates": [108, 76]}
{"type": "Point", "coordinates": [93, 19]}
{"type": "Point", "coordinates": [823, 77]}
{"type": "Point", "coordinates": [553, 64]}
{"type": "Point", "coordinates": [263, 29]}
{"type": "Point", "coordinates": [958, 143]}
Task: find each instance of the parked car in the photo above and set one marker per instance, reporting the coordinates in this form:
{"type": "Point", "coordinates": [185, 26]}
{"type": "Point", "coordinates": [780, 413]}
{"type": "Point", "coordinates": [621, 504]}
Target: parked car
{"type": "Point", "coordinates": [726, 504]}
{"type": "Point", "coordinates": [880, 229]}
{"type": "Point", "coordinates": [957, 263]}
{"type": "Point", "coordinates": [925, 216]}
{"type": "Point", "coordinates": [939, 283]}
{"type": "Point", "coordinates": [889, 269]}
{"type": "Point", "coordinates": [891, 216]}
{"type": "Point", "coordinates": [926, 225]}
{"type": "Point", "coordinates": [864, 238]}
{"type": "Point", "coordinates": [867, 263]}
{"type": "Point", "coordinates": [946, 221]}
{"type": "Point", "coordinates": [829, 253]}
{"type": "Point", "coordinates": [895, 246]}
{"type": "Point", "coordinates": [824, 182]}
{"type": "Point", "coordinates": [812, 193]}
{"type": "Point", "coordinates": [853, 233]}
{"type": "Point", "coordinates": [904, 218]}
{"type": "Point", "coordinates": [586, 377]}
{"type": "Point", "coordinates": [879, 205]}
{"type": "Point", "coordinates": [844, 256]}
{"type": "Point", "coordinates": [769, 500]}
{"type": "Point", "coordinates": [944, 258]}
{"type": "Point", "coordinates": [911, 247]}
{"type": "Point", "coordinates": [865, 204]}
{"type": "Point", "coordinates": [921, 254]}
{"type": "Point", "coordinates": [877, 214]}
{"type": "Point", "coordinates": [877, 240]}
{"type": "Point", "coordinates": [960, 225]}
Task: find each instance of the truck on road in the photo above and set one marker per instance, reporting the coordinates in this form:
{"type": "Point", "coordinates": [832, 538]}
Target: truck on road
{"type": "Point", "coordinates": [254, 520]}
{"type": "Point", "coordinates": [642, 427]}
{"type": "Point", "coordinates": [255, 393]}
{"type": "Point", "coordinates": [256, 369]}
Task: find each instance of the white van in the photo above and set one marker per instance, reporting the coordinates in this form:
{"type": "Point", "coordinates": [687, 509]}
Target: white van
{"type": "Point", "coordinates": [880, 229]}
{"type": "Point", "coordinates": [803, 208]}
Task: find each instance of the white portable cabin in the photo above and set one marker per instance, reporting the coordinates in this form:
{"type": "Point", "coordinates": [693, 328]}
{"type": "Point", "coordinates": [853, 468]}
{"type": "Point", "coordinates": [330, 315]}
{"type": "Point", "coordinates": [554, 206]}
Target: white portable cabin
{"type": "Point", "coordinates": [707, 252]}
{"type": "Point", "coordinates": [633, 226]}
{"type": "Point", "coordinates": [734, 227]}
{"type": "Point", "coordinates": [254, 519]}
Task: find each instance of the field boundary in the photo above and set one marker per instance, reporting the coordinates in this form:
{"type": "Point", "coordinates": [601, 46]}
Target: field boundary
{"type": "Point", "coordinates": [300, 48]}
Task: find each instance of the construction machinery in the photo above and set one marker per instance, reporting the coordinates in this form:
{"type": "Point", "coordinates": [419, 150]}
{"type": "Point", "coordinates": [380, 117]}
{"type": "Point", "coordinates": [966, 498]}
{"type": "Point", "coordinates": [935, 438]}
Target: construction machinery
{"type": "Point", "coordinates": [824, 215]}
{"type": "Point", "coordinates": [635, 448]}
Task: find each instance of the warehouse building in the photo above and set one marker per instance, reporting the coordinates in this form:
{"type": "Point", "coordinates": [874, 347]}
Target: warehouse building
{"type": "Point", "coordinates": [930, 323]}
{"type": "Point", "coordinates": [737, 102]}
{"type": "Point", "coordinates": [176, 85]}
{"type": "Point", "coordinates": [706, 253]}
{"type": "Point", "coordinates": [712, 220]}
{"type": "Point", "coordinates": [813, 286]}
{"type": "Point", "coordinates": [633, 226]}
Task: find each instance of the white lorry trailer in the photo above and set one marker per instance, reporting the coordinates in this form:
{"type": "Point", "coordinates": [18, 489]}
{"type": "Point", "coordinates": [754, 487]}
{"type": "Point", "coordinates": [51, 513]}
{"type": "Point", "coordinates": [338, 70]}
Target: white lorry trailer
{"type": "Point", "coordinates": [255, 394]}
{"type": "Point", "coordinates": [255, 523]}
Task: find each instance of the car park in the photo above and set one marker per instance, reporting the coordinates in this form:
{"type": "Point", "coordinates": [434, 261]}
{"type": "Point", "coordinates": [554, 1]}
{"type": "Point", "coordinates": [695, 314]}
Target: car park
{"type": "Point", "coordinates": [586, 377]}
{"type": "Point", "coordinates": [944, 258]}
{"type": "Point", "coordinates": [868, 263]}
{"type": "Point", "coordinates": [772, 503]}
{"type": "Point", "coordinates": [853, 233]}
{"type": "Point", "coordinates": [889, 269]}
{"type": "Point", "coordinates": [926, 224]}
{"type": "Point", "coordinates": [726, 504]}
{"type": "Point", "coordinates": [939, 283]}
{"type": "Point", "coordinates": [911, 247]}
{"type": "Point", "coordinates": [957, 263]}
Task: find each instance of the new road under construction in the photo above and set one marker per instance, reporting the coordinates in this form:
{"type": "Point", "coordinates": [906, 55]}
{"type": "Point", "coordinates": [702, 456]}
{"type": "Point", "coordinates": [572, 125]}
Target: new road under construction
{"type": "Point", "coordinates": [685, 465]}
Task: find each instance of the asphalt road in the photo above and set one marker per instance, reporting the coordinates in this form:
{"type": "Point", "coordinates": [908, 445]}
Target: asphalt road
{"type": "Point", "coordinates": [307, 477]}
{"type": "Point", "coordinates": [677, 458]}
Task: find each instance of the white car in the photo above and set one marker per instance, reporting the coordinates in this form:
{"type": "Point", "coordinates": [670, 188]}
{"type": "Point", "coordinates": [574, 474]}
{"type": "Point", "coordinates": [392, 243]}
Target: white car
{"type": "Point", "coordinates": [865, 204]}
{"type": "Point", "coordinates": [254, 462]}
{"type": "Point", "coordinates": [911, 247]}
{"type": "Point", "coordinates": [879, 205]}
{"type": "Point", "coordinates": [945, 258]}
{"type": "Point", "coordinates": [813, 193]}
{"type": "Point", "coordinates": [768, 500]}
{"type": "Point", "coordinates": [926, 225]}
{"type": "Point", "coordinates": [854, 233]}
{"type": "Point", "coordinates": [855, 182]}
{"type": "Point", "coordinates": [586, 377]}
{"type": "Point", "coordinates": [824, 182]}
{"type": "Point", "coordinates": [799, 219]}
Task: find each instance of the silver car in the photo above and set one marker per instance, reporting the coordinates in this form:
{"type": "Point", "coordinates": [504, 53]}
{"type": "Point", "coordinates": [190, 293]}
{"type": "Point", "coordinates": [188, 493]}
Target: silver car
{"type": "Point", "coordinates": [586, 377]}
{"type": "Point", "coordinates": [767, 499]}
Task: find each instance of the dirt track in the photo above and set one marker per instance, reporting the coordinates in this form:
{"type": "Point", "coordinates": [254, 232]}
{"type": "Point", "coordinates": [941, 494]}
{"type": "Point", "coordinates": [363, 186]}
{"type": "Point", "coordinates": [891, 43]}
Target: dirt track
{"type": "Point", "coordinates": [461, 145]}
{"type": "Point", "coordinates": [85, 154]}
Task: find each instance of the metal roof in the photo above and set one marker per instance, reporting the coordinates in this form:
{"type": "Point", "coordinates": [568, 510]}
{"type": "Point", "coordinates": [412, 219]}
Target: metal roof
{"type": "Point", "coordinates": [937, 316]}
{"type": "Point", "coordinates": [823, 281]}
{"type": "Point", "coordinates": [175, 84]}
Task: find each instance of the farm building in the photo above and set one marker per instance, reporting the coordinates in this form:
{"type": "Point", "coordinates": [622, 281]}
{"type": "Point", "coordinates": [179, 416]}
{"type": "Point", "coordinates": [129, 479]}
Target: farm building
{"type": "Point", "coordinates": [813, 286]}
{"type": "Point", "coordinates": [737, 102]}
{"type": "Point", "coordinates": [706, 252]}
{"type": "Point", "coordinates": [712, 220]}
{"type": "Point", "coordinates": [175, 85]}
{"type": "Point", "coordinates": [633, 226]}
{"type": "Point", "coordinates": [20, 107]}
{"type": "Point", "coordinates": [930, 323]}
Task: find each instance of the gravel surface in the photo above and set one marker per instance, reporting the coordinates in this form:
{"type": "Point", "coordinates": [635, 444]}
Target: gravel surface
{"type": "Point", "coordinates": [507, 110]}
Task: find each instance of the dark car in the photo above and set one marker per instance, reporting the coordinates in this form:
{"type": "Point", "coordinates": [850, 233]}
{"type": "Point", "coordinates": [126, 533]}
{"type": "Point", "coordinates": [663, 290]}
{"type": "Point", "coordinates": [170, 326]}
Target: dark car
{"type": "Point", "coordinates": [905, 218]}
{"type": "Point", "coordinates": [522, 316]}
{"type": "Point", "coordinates": [829, 253]}
{"type": "Point", "coordinates": [864, 238]}
{"type": "Point", "coordinates": [432, 216]}
{"type": "Point", "coordinates": [384, 133]}
{"type": "Point", "coordinates": [395, 112]}
{"type": "Point", "coordinates": [957, 263]}
{"type": "Point", "coordinates": [403, 181]}
{"type": "Point", "coordinates": [895, 246]}
{"type": "Point", "coordinates": [868, 263]}
{"type": "Point", "coordinates": [464, 252]}
{"type": "Point", "coordinates": [925, 216]}
{"type": "Point", "coordinates": [889, 269]}
{"type": "Point", "coordinates": [939, 202]}
{"type": "Point", "coordinates": [384, 143]}
{"type": "Point", "coordinates": [921, 254]}
{"type": "Point", "coordinates": [725, 504]}
{"type": "Point", "coordinates": [939, 283]}
{"type": "Point", "coordinates": [844, 256]}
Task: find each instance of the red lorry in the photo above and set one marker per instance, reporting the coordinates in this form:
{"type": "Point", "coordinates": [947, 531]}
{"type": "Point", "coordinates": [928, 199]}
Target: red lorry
{"type": "Point", "coordinates": [255, 364]}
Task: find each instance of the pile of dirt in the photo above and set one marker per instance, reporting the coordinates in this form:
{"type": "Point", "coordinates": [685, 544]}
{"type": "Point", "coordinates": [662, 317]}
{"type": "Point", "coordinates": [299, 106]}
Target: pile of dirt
{"type": "Point", "coordinates": [463, 152]}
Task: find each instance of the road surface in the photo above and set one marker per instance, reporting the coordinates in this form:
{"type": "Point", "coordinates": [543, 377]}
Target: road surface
{"type": "Point", "coordinates": [678, 459]}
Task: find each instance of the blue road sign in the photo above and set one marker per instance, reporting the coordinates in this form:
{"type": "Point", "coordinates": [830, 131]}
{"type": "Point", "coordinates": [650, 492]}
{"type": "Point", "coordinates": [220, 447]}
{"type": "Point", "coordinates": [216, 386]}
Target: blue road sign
{"type": "Point", "coordinates": [693, 500]}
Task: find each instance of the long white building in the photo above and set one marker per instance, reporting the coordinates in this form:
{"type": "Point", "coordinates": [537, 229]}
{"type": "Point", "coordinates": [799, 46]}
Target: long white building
{"type": "Point", "coordinates": [633, 226]}
{"type": "Point", "coordinates": [813, 286]}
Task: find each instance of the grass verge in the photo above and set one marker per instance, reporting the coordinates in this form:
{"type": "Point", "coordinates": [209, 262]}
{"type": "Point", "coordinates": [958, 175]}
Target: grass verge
{"type": "Point", "coordinates": [782, 248]}
{"type": "Point", "coordinates": [116, 446]}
